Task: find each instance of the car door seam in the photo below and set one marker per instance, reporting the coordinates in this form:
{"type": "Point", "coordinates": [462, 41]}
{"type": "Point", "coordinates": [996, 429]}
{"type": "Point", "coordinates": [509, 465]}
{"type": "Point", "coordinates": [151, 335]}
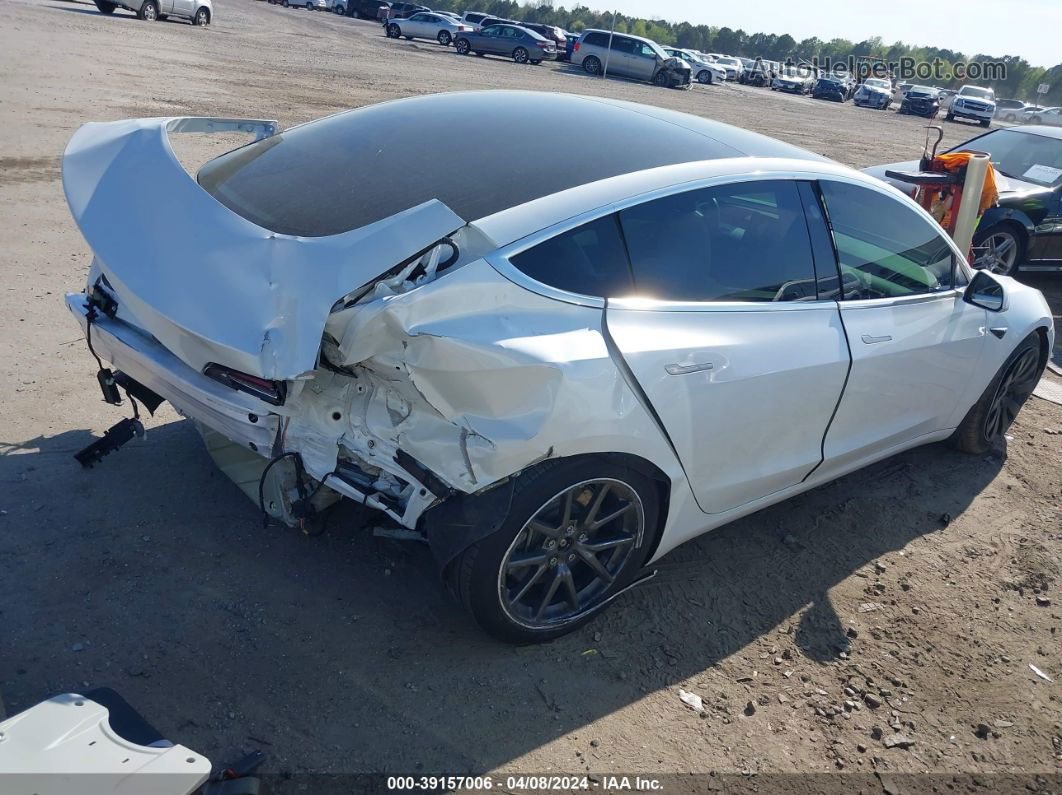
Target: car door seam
{"type": "Point", "coordinates": [840, 397]}
{"type": "Point", "coordinates": [639, 393]}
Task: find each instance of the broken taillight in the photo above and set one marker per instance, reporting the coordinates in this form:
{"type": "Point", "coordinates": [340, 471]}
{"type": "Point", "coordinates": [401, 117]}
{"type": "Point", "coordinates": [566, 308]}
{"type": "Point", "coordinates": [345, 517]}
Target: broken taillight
{"type": "Point", "coordinates": [272, 392]}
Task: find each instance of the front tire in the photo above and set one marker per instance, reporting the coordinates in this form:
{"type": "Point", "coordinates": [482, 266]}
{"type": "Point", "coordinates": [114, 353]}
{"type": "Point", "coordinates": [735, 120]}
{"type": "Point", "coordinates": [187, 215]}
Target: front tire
{"type": "Point", "coordinates": [463, 47]}
{"type": "Point", "coordinates": [986, 423]}
{"type": "Point", "coordinates": [577, 532]}
{"type": "Point", "coordinates": [591, 65]}
{"type": "Point", "coordinates": [202, 17]}
{"type": "Point", "coordinates": [704, 78]}
{"type": "Point", "coordinates": [1005, 249]}
{"type": "Point", "coordinates": [950, 117]}
{"type": "Point", "coordinates": [149, 11]}
{"type": "Point", "coordinates": [520, 55]}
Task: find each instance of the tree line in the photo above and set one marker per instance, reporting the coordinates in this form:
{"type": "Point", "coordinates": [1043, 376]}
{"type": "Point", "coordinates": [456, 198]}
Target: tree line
{"type": "Point", "coordinates": [1021, 79]}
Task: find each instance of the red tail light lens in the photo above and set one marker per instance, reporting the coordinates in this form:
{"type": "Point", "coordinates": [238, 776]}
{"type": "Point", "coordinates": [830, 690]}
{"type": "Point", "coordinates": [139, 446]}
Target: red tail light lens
{"type": "Point", "coordinates": [576, 47]}
{"type": "Point", "coordinates": [272, 392]}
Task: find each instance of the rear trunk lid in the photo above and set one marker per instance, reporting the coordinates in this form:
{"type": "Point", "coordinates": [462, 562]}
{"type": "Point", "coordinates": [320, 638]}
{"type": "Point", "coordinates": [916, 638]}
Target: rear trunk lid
{"type": "Point", "coordinates": [209, 284]}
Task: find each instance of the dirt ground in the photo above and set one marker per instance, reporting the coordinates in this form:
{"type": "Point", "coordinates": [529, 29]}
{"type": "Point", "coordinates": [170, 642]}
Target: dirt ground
{"type": "Point", "coordinates": [809, 629]}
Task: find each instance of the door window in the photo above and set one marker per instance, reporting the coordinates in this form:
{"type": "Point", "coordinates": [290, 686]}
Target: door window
{"type": "Point", "coordinates": [589, 260]}
{"type": "Point", "coordinates": [741, 242]}
{"type": "Point", "coordinates": [885, 249]}
{"type": "Point", "coordinates": [644, 50]}
{"type": "Point", "coordinates": [492, 31]}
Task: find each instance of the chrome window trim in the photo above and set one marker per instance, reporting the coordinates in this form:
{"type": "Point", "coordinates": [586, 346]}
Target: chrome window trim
{"type": "Point", "coordinates": [902, 300]}
{"type": "Point", "coordinates": [499, 258]}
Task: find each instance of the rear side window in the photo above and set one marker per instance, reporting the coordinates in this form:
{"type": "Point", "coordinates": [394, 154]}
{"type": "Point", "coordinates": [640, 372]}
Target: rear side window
{"type": "Point", "coordinates": [742, 242]}
{"type": "Point", "coordinates": [596, 39]}
{"type": "Point", "coordinates": [885, 249]}
{"type": "Point", "coordinates": [589, 260]}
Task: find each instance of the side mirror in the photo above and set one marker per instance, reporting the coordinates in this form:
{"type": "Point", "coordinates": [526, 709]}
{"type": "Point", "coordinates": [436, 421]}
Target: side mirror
{"type": "Point", "coordinates": [984, 291]}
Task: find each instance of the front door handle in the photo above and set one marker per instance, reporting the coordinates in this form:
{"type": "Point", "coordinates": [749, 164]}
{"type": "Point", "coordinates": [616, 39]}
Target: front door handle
{"type": "Point", "coordinates": [685, 369]}
{"type": "Point", "coordinates": [870, 340]}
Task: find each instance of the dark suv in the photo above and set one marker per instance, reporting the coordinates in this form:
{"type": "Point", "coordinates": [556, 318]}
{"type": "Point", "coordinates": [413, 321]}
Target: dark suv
{"type": "Point", "coordinates": [551, 33]}
{"type": "Point", "coordinates": [366, 9]}
{"type": "Point", "coordinates": [404, 10]}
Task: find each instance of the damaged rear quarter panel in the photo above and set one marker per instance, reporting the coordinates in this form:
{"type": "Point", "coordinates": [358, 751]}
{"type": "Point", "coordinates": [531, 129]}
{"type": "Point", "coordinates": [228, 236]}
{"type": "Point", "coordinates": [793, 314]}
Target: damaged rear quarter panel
{"type": "Point", "coordinates": [476, 378]}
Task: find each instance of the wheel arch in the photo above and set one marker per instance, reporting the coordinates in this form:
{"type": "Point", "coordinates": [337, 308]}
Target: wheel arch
{"type": "Point", "coordinates": [995, 216]}
{"type": "Point", "coordinates": [463, 519]}
{"type": "Point", "coordinates": [210, 13]}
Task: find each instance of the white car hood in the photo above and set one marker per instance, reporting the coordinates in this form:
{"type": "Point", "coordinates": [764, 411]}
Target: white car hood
{"type": "Point", "coordinates": [208, 284]}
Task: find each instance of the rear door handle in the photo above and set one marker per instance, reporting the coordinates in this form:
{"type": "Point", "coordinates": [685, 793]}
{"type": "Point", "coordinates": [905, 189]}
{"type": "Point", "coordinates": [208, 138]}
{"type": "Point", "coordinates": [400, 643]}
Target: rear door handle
{"type": "Point", "coordinates": [870, 340]}
{"type": "Point", "coordinates": [685, 369]}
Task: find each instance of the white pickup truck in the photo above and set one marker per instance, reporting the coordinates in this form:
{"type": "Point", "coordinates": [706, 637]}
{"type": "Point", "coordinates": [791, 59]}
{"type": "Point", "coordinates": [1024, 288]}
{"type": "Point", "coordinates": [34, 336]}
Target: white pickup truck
{"type": "Point", "coordinates": [199, 12]}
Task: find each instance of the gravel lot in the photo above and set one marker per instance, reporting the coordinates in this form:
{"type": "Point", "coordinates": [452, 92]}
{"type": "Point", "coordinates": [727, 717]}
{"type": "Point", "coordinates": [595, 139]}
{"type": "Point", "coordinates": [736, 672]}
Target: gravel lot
{"type": "Point", "coordinates": [151, 573]}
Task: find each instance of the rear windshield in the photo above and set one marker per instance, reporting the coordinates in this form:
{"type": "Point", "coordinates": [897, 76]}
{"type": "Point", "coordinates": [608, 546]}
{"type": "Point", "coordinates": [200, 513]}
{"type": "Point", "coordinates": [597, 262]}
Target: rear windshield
{"type": "Point", "coordinates": [478, 153]}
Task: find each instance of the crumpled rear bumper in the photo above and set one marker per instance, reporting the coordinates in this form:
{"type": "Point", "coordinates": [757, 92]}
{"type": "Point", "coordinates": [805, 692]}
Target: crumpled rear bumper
{"type": "Point", "coordinates": [191, 393]}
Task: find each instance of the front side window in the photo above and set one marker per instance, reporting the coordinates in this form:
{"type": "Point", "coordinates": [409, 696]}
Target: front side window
{"type": "Point", "coordinates": [884, 248]}
{"type": "Point", "coordinates": [741, 242]}
{"type": "Point", "coordinates": [589, 260]}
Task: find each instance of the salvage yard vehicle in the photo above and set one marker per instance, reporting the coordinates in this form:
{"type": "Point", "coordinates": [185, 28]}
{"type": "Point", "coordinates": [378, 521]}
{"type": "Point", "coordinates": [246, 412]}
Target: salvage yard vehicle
{"type": "Point", "coordinates": [1049, 116]}
{"type": "Point", "coordinates": [921, 101]}
{"type": "Point", "coordinates": [704, 71]}
{"type": "Point", "coordinates": [629, 56]}
{"type": "Point", "coordinates": [425, 25]}
{"type": "Point", "coordinates": [875, 92]}
{"type": "Point", "coordinates": [520, 44]}
{"type": "Point", "coordinates": [1024, 230]}
{"type": "Point", "coordinates": [199, 12]}
{"type": "Point", "coordinates": [553, 377]}
{"type": "Point", "coordinates": [831, 88]}
{"type": "Point", "coordinates": [972, 102]}
{"type": "Point", "coordinates": [550, 33]}
{"type": "Point", "coordinates": [794, 79]}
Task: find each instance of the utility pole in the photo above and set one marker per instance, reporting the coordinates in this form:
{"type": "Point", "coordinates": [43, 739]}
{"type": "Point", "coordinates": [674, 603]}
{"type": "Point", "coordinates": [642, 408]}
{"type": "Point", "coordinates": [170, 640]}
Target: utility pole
{"type": "Point", "coordinates": [611, 33]}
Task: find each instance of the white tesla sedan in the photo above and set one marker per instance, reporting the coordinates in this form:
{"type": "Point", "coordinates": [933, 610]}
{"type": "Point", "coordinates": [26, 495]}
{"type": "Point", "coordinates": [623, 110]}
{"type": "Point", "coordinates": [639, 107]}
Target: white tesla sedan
{"type": "Point", "coordinates": [555, 366]}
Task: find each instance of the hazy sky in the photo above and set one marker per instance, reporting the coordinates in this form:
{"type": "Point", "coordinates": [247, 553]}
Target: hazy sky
{"type": "Point", "coordinates": [1029, 28]}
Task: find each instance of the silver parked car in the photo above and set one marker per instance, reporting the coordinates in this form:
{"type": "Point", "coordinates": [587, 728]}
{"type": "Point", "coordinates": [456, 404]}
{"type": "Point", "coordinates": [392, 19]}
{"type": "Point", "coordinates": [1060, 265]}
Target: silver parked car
{"type": "Point", "coordinates": [599, 51]}
{"type": "Point", "coordinates": [199, 12]}
{"type": "Point", "coordinates": [427, 25]}
{"type": "Point", "coordinates": [704, 71]}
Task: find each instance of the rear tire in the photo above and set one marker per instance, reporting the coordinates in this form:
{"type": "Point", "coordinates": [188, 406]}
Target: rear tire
{"type": "Point", "coordinates": [149, 11]}
{"type": "Point", "coordinates": [591, 65]}
{"type": "Point", "coordinates": [444, 37]}
{"type": "Point", "coordinates": [202, 17]}
{"type": "Point", "coordinates": [105, 7]}
{"type": "Point", "coordinates": [989, 418]}
{"type": "Point", "coordinates": [393, 31]}
{"type": "Point", "coordinates": [986, 122]}
{"type": "Point", "coordinates": [566, 589]}
{"type": "Point", "coordinates": [520, 55]}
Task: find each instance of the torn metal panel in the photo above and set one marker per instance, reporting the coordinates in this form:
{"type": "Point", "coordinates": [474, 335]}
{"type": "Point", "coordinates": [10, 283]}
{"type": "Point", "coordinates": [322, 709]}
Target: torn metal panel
{"type": "Point", "coordinates": [180, 271]}
{"type": "Point", "coordinates": [475, 378]}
